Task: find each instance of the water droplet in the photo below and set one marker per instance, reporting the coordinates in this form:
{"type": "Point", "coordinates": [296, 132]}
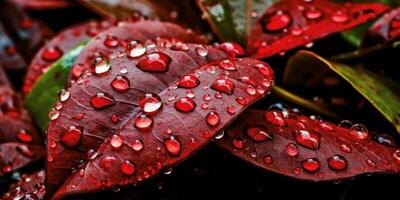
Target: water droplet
{"type": "Point", "coordinates": [227, 64]}
{"type": "Point", "coordinates": [326, 127]}
{"type": "Point", "coordinates": [212, 119]}
{"type": "Point", "coordinates": [79, 116]}
{"type": "Point", "coordinates": [102, 100]}
{"type": "Point", "coordinates": [313, 13]}
{"type": "Point", "coordinates": [267, 159]}
{"type": "Point", "coordinates": [120, 84]}
{"type": "Point", "coordinates": [25, 151]}
{"type": "Point", "coordinates": [218, 95]}
{"type": "Point", "coordinates": [150, 104]}
{"type": "Point", "coordinates": [154, 62]}
{"type": "Point", "coordinates": [291, 149]}
{"type": "Point", "coordinates": [72, 137]}
{"type": "Point", "coordinates": [116, 141]}
{"type": "Point", "coordinates": [136, 49]}
{"type": "Point", "coordinates": [185, 104]}
{"type": "Point", "coordinates": [297, 171]}
{"type": "Point", "coordinates": [143, 122]}
{"type": "Point", "coordinates": [201, 50]}
{"type": "Point", "coordinates": [242, 100]}
{"type": "Point", "coordinates": [64, 95]}
{"type": "Point", "coordinates": [250, 90]}
{"type": "Point", "coordinates": [277, 22]}
{"type": "Point", "coordinates": [77, 70]}
{"type": "Point", "coordinates": [371, 163]}
{"type": "Point", "coordinates": [51, 54]}
{"type": "Point", "coordinates": [232, 48]}
{"type": "Point", "coordinates": [308, 139]}
{"type": "Point", "coordinates": [223, 85]}
{"type": "Point", "coordinates": [111, 42]}
{"type": "Point", "coordinates": [204, 106]}
{"type": "Point", "coordinates": [54, 114]}
{"type": "Point", "coordinates": [101, 65]}
{"type": "Point", "coordinates": [127, 167]}
{"type": "Point", "coordinates": [358, 131]}
{"type": "Point", "coordinates": [337, 162]}
{"type": "Point", "coordinates": [219, 135]}
{"type": "Point", "coordinates": [384, 139]}
{"type": "Point", "coordinates": [345, 148]}
{"type": "Point", "coordinates": [172, 145]}
{"type": "Point", "coordinates": [340, 17]}
{"type": "Point", "coordinates": [206, 97]}
{"type": "Point", "coordinates": [238, 143]}
{"type": "Point", "coordinates": [258, 133]}
{"type": "Point", "coordinates": [180, 46]}
{"type": "Point", "coordinates": [114, 118]}
{"type": "Point", "coordinates": [264, 70]}
{"type": "Point", "coordinates": [188, 81]}
{"type": "Point", "coordinates": [231, 110]}
{"type": "Point", "coordinates": [396, 156]}
{"type": "Point", "coordinates": [311, 164]}
{"type": "Point", "coordinates": [345, 124]}
{"type": "Point", "coordinates": [107, 162]}
{"type": "Point", "coordinates": [24, 136]}
{"type": "Point", "coordinates": [137, 145]}
{"type": "Point", "coordinates": [275, 117]}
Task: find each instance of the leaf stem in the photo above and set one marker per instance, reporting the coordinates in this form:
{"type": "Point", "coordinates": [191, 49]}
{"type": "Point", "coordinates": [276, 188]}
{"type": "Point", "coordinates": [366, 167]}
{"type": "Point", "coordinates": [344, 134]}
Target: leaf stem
{"type": "Point", "coordinates": [293, 98]}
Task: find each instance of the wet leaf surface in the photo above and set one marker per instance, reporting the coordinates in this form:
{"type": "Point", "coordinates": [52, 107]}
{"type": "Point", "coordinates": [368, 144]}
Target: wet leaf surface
{"type": "Point", "coordinates": [387, 28]}
{"type": "Point", "coordinates": [30, 186]}
{"type": "Point", "coordinates": [301, 147]}
{"type": "Point", "coordinates": [290, 24]}
{"type": "Point", "coordinates": [10, 58]}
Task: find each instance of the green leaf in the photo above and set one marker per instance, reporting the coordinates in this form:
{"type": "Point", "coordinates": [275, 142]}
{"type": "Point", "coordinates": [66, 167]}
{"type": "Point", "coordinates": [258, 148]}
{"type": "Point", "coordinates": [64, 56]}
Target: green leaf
{"type": "Point", "coordinates": [382, 92]}
{"type": "Point", "coordinates": [232, 20]}
{"type": "Point", "coordinates": [44, 93]}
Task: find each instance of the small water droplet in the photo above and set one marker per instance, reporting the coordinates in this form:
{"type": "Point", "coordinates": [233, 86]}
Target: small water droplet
{"type": "Point", "coordinates": [345, 148]}
{"type": "Point", "coordinates": [232, 48]}
{"type": "Point", "coordinates": [54, 114]}
{"type": "Point", "coordinates": [101, 65]}
{"type": "Point", "coordinates": [72, 137]}
{"type": "Point", "coordinates": [385, 139]}
{"type": "Point", "coordinates": [267, 159]}
{"type": "Point", "coordinates": [311, 165]}
{"type": "Point", "coordinates": [212, 119]}
{"type": "Point", "coordinates": [64, 95]}
{"type": "Point", "coordinates": [143, 122]}
{"type": "Point", "coordinates": [150, 104]}
{"type": "Point", "coordinates": [371, 163]}
{"type": "Point", "coordinates": [277, 22]}
{"type": "Point", "coordinates": [185, 104]}
{"type": "Point", "coordinates": [172, 145]}
{"type": "Point", "coordinates": [238, 143]}
{"type": "Point", "coordinates": [102, 100]}
{"type": "Point", "coordinates": [337, 162]}
{"type": "Point", "coordinates": [120, 84]}
{"type": "Point", "coordinates": [24, 136]}
{"type": "Point", "coordinates": [51, 54]}
{"type": "Point", "coordinates": [111, 42]}
{"type": "Point", "coordinates": [258, 133]}
{"type": "Point", "coordinates": [201, 50]}
{"type": "Point", "coordinates": [340, 17]}
{"type": "Point", "coordinates": [291, 149]}
{"type": "Point", "coordinates": [188, 81]}
{"type": "Point", "coordinates": [231, 110]}
{"type": "Point", "coordinates": [223, 85]}
{"type": "Point", "coordinates": [137, 145]}
{"type": "Point", "coordinates": [135, 49]}
{"type": "Point", "coordinates": [116, 141]}
{"type": "Point", "coordinates": [358, 131]}
{"type": "Point", "coordinates": [127, 167]}
{"type": "Point", "coordinates": [313, 13]}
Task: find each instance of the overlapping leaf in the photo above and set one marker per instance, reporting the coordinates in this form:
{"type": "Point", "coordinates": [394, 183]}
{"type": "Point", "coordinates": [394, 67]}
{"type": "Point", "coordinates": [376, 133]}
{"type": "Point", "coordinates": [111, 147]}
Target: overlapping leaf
{"type": "Point", "coordinates": [301, 147]}
{"type": "Point", "coordinates": [387, 28]}
{"type": "Point", "coordinates": [290, 24]}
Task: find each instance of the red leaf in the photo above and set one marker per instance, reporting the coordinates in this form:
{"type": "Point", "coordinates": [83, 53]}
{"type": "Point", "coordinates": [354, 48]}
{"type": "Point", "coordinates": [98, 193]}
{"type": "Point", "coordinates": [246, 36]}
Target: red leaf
{"type": "Point", "coordinates": [291, 23]}
{"type": "Point", "coordinates": [10, 58]}
{"type": "Point", "coordinates": [29, 34]}
{"type": "Point", "coordinates": [127, 32]}
{"type": "Point", "coordinates": [16, 155]}
{"type": "Point", "coordinates": [309, 149]}
{"type": "Point", "coordinates": [42, 4]}
{"type": "Point", "coordinates": [388, 27]}
{"type": "Point", "coordinates": [60, 44]}
{"type": "Point", "coordinates": [29, 187]}
{"type": "Point", "coordinates": [117, 143]}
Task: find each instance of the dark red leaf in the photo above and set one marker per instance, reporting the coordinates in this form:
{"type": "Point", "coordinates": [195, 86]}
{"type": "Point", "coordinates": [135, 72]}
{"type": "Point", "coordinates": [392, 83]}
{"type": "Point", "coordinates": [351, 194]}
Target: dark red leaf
{"type": "Point", "coordinates": [3, 78]}
{"type": "Point", "coordinates": [42, 4]}
{"type": "Point", "coordinates": [28, 34]}
{"type": "Point", "coordinates": [16, 155]}
{"type": "Point", "coordinates": [309, 149]}
{"type": "Point", "coordinates": [388, 27]}
{"type": "Point", "coordinates": [10, 58]}
{"type": "Point", "coordinates": [29, 187]}
{"type": "Point", "coordinates": [291, 23]}
{"type": "Point", "coordinates": [104, 133]}
{"type": "Point", "coordinates": [126, 33]}
{"type": "Point", "coordinates": [60, 44]}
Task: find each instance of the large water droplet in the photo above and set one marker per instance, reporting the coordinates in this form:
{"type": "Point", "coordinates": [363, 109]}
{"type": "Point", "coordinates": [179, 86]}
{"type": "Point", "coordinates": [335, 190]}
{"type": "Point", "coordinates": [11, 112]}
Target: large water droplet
{"type": "Point", "coordinates": [72, 137]}
{"type": "Point", "coordinates": [358, 131]}
{"type": "Point", "coordinates": [150, 104]}
{"type": "Point", "coordinates": [172, 145]}
{"type": "Point", "coordinates": [313, 13]}
{"type": "Point", "coordinates": [337, 162]}
{"type": "Point", "coordinates": [275, 117]}
{"type": "Point", "coordinates": [137, 145]}
{"type": "Point", "coordinates": [308, 139]}
{"type": "Point", "coordinates": [201, 50]}
{"type": "Point", "coordinates": [185, 104]}
{"type": "Point", "coordinates": [136, 49]}
{"type": "Point", "coordinates": [258, 133]}
{"type": "Point", "coordinates": [155, 62]}
{"type": "Point", "coordinates": [51, 54]}
{"type": "Point", "coordinates": [291, 149]}
{"type": "Point", "coordinates": [116, 141]}
{"type": "Point", "coordinates": [227, 64]}
{"type": "Point", "coordinates": [277, 22]}
{"type": "Point", "coordinates": [264, 70]}
{"type": "Point", "coordinates": [101, 65]}
{"type": "Point", "coordinates": [102, 100]}
{"type": "Point", "coordinates": [232, 48]}
{"type": "Point", "coordinates": [188, 81]}
{"type": "Point", "coordinates": [24, 136]}
{"type": "Point", "coordinates": [127, 167]}
{"type": "Point", "coordinates": [143, 123]}
{"type": "Point", "coordinates": [223, 85]}
{"type": "Point", "coordinates": [213, 119]}
{"type": "Point", "coordinates": [340, 17]}
{"type": "Point", "coordinates": [120, 84]}
{"type": "Point", "coordinates": [311, 164]}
